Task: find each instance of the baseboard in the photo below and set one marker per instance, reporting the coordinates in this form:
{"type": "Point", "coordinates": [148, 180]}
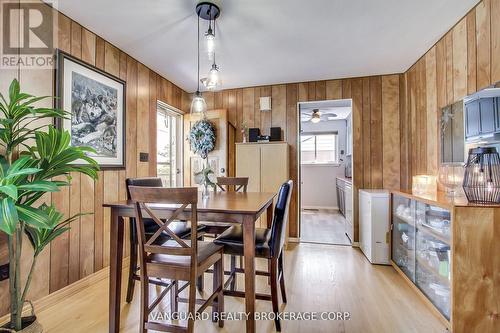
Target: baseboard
{"type": "Point", "coordinates": [293, 240]}
{"type": "Point", "coordinates": [68, 291]}
{"type": "Point", "coordinates": [321, 207]}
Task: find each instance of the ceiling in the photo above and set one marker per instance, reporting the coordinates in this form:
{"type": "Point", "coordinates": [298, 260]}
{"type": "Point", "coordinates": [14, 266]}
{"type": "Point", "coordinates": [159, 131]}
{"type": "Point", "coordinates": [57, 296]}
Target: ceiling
{"type": "Point", "coordinates": [263, 42]}
{"type": "Point", "coordinates": [332, 110]}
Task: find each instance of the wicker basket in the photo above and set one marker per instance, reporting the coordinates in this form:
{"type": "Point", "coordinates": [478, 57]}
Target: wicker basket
{"type": "Point", "coordinates": [33, 325]}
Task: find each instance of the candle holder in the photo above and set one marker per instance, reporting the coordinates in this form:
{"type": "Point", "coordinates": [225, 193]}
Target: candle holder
{"type": "Point", "coordinates": [424, 184]}
{"type": "Point", "coordinates": [482, 176]}
{"type": "Point", "coordinates": [451, 176]}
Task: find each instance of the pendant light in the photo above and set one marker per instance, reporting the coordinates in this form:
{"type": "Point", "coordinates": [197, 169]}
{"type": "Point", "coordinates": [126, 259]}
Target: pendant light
{"type": "Point", "coordinates": [209, 11]}
{"type": "Point", "coordinates": [210, 40]}
{"type": "Point", "coordinates": [212, 81]}
{"type": "Point", "coordinates": [198, 104]}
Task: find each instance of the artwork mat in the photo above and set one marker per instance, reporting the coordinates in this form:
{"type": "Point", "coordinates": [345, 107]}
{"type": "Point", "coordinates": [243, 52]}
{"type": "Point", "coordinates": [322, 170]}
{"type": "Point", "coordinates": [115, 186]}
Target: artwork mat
{"type": "Point", "coordinates": [66, 65]}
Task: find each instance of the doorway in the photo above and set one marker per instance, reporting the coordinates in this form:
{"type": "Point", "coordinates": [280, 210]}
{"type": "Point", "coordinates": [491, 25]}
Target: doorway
{"type": "Point", "coordinates": [169, 124]}
{"type": "Point", "coordinates": [325, 177]}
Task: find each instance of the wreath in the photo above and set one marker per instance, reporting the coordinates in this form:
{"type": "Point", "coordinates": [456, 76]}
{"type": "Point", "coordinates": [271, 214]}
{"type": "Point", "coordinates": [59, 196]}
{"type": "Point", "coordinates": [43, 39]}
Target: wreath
{"type": "Point", "coordinates": [202, 138]}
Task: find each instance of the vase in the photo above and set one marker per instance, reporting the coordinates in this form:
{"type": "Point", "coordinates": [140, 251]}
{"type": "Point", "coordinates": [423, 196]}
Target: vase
{"type": "Point", "coordinates": [30, 325]}
{"type": "Point", "coordinates": [205, 194]}
{"type": "Point", "coordinates": [450, 176]}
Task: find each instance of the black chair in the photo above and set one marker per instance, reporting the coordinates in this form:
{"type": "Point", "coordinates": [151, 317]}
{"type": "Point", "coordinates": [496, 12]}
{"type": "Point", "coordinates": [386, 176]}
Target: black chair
{"type": "Point", "coordinates": [268, 244]}
{"type": "Point", "coordinates": [180, 229]}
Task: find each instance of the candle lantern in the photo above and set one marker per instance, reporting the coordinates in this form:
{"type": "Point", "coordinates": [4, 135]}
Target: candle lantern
{"type": "Point", "coordinates": [424, 185]}
{"type": "Point", "coordinates": [482, 176]}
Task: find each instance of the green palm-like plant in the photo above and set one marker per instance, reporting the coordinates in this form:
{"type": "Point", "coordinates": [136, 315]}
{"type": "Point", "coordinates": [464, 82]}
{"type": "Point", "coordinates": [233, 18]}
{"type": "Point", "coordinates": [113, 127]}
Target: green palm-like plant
{"type": "Point", "coordinates": [27, 172]}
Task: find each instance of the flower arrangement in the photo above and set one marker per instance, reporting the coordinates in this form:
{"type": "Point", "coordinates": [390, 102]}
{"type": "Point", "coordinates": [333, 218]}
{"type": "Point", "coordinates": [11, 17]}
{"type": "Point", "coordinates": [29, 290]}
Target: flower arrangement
{"type": "Point", "coordinates": [244, 131]}
{"type": "Point", "coordinates": [202, 138]}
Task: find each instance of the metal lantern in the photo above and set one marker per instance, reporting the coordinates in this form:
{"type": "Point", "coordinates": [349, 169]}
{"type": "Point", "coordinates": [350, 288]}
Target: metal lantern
{"type": "Point", "coordinates": [482, 176]}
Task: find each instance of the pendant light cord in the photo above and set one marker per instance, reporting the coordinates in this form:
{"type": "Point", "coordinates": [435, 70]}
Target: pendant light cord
{"type": "Point", "coordinates": [198, 80]}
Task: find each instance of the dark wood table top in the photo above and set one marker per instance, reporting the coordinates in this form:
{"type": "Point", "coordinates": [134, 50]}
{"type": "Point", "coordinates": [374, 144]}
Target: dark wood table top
{"type": "Point", "coordinates": [219, 202]}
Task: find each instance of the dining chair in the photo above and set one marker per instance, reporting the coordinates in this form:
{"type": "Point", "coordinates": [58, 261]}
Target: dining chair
{"type": "Point", "coordinates": [181, 229]}
{"type": "Point", "coordinates": [224, 184]}
{"type": "Point", "coordinates": [176, 259]}
{"type": "Point", "coordinates": [269, 244]}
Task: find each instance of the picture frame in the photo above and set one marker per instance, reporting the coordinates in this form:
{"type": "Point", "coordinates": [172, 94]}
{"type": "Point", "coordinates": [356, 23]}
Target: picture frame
{"type": "Point", "coordinates": [96, 101]}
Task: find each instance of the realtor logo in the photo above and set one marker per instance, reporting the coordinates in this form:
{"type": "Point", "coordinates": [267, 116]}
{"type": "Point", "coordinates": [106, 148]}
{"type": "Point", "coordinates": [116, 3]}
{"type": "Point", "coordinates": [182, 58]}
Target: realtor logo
{"type": "Point", "coordinates": [28, 37]}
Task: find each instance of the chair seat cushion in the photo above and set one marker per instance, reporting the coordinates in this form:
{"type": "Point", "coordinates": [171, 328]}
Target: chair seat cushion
{"type": "Point", "coordinates": [205, 251]}
{"type": "Point", "coordinates": [232, 240]}
{"type": "Point", "coordinates": [180, 229]}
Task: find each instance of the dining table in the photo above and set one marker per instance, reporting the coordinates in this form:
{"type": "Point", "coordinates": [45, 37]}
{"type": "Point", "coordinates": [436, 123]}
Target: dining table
{"type": "Point", "coordinates": [232, 207]}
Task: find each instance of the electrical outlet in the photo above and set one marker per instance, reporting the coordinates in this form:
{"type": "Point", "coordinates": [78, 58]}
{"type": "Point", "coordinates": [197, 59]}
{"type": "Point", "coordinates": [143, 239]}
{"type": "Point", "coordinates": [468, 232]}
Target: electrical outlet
{"type": "Point", "coordinates": [4, 272]}
{"type": "Point", "coordinates": [143, 157]}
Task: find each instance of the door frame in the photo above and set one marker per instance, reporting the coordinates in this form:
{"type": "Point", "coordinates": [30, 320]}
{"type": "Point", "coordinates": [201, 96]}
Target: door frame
{"type": "Point", "coordinates": [299, 178]}
{"type": "Point", "coordinates": [160, 105]}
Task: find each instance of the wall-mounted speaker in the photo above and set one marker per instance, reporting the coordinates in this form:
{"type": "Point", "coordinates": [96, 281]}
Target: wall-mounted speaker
{"type": "Point", "coordinates": [253, 134]}
{"type": "Point", "coordinates": [275, 133]}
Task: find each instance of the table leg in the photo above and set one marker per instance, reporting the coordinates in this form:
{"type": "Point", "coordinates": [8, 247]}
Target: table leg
{"type": "Point", "coordinates": [249, 251]}
{"type": "Point", "coordinates": [115, 274]}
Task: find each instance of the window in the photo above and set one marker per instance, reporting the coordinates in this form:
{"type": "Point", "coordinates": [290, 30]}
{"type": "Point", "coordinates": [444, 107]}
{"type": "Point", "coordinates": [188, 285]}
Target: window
{"type": "Point", "coordinates": [319, 148]}
{"type": "Point", "coordinates": [169, 148]}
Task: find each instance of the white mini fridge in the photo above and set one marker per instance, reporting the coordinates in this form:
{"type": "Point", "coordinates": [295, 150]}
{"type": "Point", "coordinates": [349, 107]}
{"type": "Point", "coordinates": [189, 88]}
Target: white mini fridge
{"type": "Point", "coordinates": [374, 225]}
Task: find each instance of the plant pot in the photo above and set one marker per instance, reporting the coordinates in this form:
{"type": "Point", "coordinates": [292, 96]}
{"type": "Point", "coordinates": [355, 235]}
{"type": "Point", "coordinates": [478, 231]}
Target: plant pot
{"type": "Point", "coordinates": [30, 325]}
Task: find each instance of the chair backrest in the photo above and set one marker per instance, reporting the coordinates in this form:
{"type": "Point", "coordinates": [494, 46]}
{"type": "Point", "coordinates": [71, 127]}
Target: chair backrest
{"type": "Point", "coordinates": [280, 218]}
{"type": "Point", "coordinates": [143, 197]}
{"type": "Point", "coordinates": [146, 181]}
{"type": "Point", "coordinates": [239, 183]}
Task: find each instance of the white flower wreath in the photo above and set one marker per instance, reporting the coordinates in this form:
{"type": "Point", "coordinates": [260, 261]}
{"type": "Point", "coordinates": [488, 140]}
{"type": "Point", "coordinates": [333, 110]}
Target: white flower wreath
{"type": "Point", "coordinates": [202, 138]}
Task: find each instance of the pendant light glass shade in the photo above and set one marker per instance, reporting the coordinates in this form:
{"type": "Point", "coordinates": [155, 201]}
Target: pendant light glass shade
{"type": "Point", "coordinates": [210, 39]}
{"type": "Point", "coordinates": [198, 104]}
{"type": "Point", "coordinates": [212, 81]}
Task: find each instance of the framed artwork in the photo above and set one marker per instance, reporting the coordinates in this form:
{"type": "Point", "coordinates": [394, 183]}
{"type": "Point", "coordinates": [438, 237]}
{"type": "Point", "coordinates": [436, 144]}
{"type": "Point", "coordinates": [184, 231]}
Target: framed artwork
{"type": "Point", "coordinates": [96, 102]}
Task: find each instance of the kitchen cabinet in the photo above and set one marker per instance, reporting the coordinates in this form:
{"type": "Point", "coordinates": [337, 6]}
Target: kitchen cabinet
{"type": "Point", "coordinates": [497, 114]}
{"type": "Point", "coordinates": [472, 119]}
{"type": "Point", "coordinates": [344, 201]}
{"type": "Point", "coordinates": [481, 117]}
{"type": "Point", "coordinates": [438, 246]}
{"type": "Point", "coordinates": [487, 114]}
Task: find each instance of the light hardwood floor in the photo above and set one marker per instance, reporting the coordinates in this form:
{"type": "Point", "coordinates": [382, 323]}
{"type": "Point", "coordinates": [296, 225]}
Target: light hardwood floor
{"type": "Point", "coordinates": [319, 278]}
{"type": "Point", "coordinates": [323, 226]}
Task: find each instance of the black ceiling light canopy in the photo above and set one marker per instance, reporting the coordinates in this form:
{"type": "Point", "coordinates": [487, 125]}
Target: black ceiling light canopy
{"type": "Point", "coordinates": [208, 10]}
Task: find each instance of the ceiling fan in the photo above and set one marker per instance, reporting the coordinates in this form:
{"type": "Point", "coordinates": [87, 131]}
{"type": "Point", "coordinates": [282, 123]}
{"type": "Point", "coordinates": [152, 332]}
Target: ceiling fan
{"type": "Point", "coordinates": [316, 116]}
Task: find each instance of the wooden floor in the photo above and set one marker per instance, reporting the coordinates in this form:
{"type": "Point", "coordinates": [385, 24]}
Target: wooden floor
{"type": "Point", "coordinates": [319, 278]}
{"type": "Point", "coordinates": [323, 226]}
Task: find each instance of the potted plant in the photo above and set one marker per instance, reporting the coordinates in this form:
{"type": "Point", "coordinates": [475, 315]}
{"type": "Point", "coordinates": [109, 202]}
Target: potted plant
{"type": "Point", "coordinates": [34, 160]}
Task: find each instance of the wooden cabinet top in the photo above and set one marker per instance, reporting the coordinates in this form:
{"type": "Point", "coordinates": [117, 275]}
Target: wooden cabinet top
{"type": "Point", "coordinates": [440, 199]}
{"type": "Point", "coordinates": [262, 143]}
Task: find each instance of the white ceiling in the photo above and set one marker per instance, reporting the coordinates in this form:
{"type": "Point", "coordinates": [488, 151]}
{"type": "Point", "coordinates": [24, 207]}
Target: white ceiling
{"type": "Point", "coordinates": [274, 41]}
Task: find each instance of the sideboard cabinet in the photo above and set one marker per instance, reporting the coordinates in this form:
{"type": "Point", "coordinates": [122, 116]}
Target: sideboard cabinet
{"type": "Point", "coordinates": [449, 253]}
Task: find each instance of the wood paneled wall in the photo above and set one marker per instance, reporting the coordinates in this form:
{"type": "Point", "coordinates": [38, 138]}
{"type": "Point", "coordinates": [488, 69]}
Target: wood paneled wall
{"type": "Point", "coordinates": [465, 60]}
{"type": "Point", "coordinates": [395, 126]}
{"type": "Point", "coordinates": [85, 248]}
{"type": "Point", "coordinates": [395, 117]}
{"type": "Point", "coordinates": [376, 127]}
